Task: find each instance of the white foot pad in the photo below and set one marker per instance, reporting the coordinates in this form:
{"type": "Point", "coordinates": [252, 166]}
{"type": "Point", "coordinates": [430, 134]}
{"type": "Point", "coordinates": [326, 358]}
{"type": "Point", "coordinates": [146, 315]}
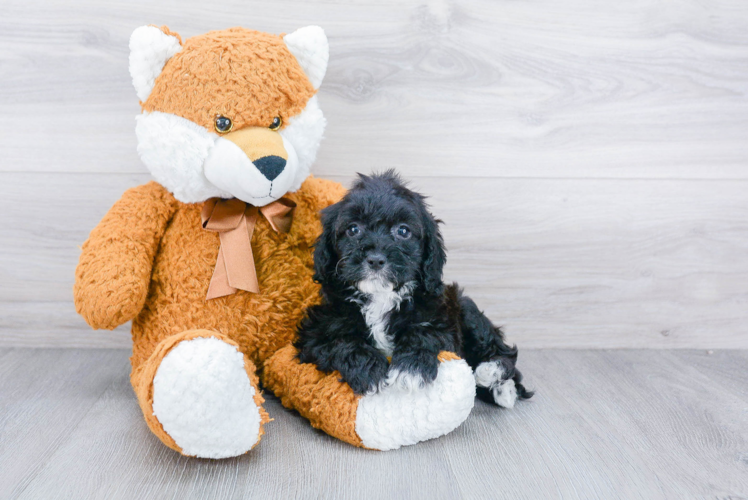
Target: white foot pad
{"type": "Point", "coordinates": [399, 416]}
{"type": "Point", "coordinates": [204, 400]}
{"type": "Point", "coordinates": [490, 375]}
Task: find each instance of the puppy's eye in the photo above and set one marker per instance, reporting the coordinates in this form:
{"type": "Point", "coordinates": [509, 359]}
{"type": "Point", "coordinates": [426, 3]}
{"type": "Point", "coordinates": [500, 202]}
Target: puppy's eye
{"type": "Point", "coordinates": [353, 230]}
{"type": "Point", "coordinates": [277, 122]}
{"type": "Point", "coordinates": [402, 231]}
{"type": "Point", "coordinates": [223, 125]}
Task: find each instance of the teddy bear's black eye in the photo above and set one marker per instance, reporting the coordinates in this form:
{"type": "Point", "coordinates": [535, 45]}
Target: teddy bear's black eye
{"type": "Point", "coordinates": [223, 124]}
{"type": "Point", "coordinates": [353, 230]}
{"type": "Point", "coordinates": [403, 231]}
{"type": "Point", "coordinates": [277, 122]}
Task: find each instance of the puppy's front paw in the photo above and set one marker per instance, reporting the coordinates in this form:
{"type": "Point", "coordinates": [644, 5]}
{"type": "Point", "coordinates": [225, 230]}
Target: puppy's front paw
{"type": "Point", "coordinates": [365, 372]}
{"type": "Point", "coordinates": [405, 381]}
{"type": "Point", "coordinates": [412, 371]}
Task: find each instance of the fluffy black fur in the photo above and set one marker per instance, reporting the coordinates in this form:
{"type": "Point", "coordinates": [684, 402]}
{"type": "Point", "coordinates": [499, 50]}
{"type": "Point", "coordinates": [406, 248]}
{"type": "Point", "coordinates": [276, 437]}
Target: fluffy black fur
{"type": "Point", "coordinates": [383, 232]}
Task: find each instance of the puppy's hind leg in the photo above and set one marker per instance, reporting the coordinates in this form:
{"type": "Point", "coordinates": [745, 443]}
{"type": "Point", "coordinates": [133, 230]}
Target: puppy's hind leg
{"type": "Point", "coordinates": [498, 380]}
{"type": "Point", "coordinates": [497, 383]}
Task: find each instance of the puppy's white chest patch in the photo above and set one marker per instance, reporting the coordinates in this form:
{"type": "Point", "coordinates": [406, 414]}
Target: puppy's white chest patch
{"type": "Point", "coordinates": [380, 299]}
{"type": "Point", "coordinates": [375, 313]}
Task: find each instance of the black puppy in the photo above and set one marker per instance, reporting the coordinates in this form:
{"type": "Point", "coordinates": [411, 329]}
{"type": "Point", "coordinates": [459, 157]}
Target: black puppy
{"type": "Point", "coordinates": [379, 261]}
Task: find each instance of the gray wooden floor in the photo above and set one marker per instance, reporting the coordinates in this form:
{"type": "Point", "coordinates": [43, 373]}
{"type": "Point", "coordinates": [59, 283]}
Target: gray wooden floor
{"type": "Point", "coordinates": [604, 424]}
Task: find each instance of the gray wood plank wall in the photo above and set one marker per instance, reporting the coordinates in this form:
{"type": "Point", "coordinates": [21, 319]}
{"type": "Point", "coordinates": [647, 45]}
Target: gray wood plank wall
{"type": "Point", "coordinates": [590, 159]}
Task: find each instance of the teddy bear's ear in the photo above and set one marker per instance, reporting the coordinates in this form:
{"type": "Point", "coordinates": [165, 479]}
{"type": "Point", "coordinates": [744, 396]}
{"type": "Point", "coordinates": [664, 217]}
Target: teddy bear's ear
{"type": "Point", "coordinates": [309, 46]}
{"type": "Point", "coordinates": [150, 48]}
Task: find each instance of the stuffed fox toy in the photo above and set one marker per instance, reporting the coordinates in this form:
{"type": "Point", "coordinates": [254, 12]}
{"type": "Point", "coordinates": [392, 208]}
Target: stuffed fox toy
{"type": "Point", "coordinates": [212, 262]}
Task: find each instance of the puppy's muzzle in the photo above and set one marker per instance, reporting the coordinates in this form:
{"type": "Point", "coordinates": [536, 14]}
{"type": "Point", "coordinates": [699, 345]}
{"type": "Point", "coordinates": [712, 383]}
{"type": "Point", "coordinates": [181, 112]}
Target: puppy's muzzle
{"type": "Point", "coordinates": [263, 147]}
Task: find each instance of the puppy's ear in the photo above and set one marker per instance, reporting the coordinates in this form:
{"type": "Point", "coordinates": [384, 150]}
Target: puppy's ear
{"type": "Point", "coordinates": [325, 255]}
{"type": "Point", "coordinates": [434, 255]}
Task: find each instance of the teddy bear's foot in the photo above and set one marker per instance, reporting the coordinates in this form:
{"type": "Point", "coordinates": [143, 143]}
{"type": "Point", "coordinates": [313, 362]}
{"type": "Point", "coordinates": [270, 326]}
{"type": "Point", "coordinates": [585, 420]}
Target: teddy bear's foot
{"type": "Point", "coordinates": [385, 420]}
{"type": "Point", "coordinates": [199, 395]}
{"type": "Point", "coordinates": [398, 416]}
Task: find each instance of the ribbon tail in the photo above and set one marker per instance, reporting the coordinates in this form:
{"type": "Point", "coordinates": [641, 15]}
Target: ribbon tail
{"type": "Point", "coordinates": [234, 221]}
{"type": "Point", "coordinates": [219, 283]}
{"type": "Point", "coordinates": [240, 262]}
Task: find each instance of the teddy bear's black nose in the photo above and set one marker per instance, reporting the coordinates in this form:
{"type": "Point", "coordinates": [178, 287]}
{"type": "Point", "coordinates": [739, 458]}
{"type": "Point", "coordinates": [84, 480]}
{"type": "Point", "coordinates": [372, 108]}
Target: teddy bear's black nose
{"type": "Point", "coordinates": [270, 166]}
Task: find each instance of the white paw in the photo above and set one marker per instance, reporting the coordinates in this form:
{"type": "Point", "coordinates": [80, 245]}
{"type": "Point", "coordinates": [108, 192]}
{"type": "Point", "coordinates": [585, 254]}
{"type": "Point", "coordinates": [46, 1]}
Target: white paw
{"type": "Point", "coordinates": [404, 381]}
{"type": "Point", "coordinates": [489, 375]}
{"type": "Point", "coordinates": [505, 393]}
{"type": "Point", "coordinates": [392, 418]}
{"type": "Point", "coordinates": [204, 400]}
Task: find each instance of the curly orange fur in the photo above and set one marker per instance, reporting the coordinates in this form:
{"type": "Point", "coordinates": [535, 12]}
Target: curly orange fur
{"type": "Point", "coordinates": [150, 260]}
{"type": "Point", "coordinates": [248, 76]}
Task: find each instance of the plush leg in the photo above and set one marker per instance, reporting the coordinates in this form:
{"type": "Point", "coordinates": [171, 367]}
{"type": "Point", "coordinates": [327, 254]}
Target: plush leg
{"type": "Point", "coordinates": [199, 395]}
{"type": "Point", "coordinates": [385, 420]}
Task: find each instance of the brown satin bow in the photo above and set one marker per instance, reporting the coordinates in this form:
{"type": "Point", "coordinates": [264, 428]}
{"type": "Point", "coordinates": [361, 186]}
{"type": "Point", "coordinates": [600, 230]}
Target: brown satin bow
{"type": "Point", "coordinates": [234, 221]}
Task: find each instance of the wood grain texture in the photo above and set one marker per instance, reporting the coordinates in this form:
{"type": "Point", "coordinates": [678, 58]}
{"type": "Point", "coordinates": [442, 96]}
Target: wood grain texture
{"type": "Point", "coordinates": [604, 424]}
{"type": "Point", "coordinates": [45, 395]}
{"type": "Point", "coordinates": [589, 158]}
{"type": "Point", "coordinates": [645, 88]}
{"type": "Point", "coordinates": [54, 324]}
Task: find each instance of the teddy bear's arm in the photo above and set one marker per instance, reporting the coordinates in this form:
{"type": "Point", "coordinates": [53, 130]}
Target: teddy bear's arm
{"type": "Point", "coordinates": [114, 271]}
{"type": "Point", "coordinates": [315, 194]}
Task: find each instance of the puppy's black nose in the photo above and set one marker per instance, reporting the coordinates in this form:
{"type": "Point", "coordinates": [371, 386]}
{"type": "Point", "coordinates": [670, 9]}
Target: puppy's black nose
{"type": "Point", "coordinates": [376, 261]}
{"type": "Point", "coordinates": [270, 166]}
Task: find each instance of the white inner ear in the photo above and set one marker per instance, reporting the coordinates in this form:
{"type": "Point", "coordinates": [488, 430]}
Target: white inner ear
{"type": "Point", "coordinates": [150, 48]}
{"type": "Point", "coordinates": [310, 48]}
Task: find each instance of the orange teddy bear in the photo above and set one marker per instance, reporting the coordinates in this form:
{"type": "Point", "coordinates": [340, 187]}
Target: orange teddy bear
{"type": "Point", "coordinates": [213, 261]}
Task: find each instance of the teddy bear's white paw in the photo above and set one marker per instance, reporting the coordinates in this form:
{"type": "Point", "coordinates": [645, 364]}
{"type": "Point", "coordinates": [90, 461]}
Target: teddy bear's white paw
{"type": "Point", "coordinates": [398, 416]}
{"type": "Point", "coordinates": [204, 399]}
